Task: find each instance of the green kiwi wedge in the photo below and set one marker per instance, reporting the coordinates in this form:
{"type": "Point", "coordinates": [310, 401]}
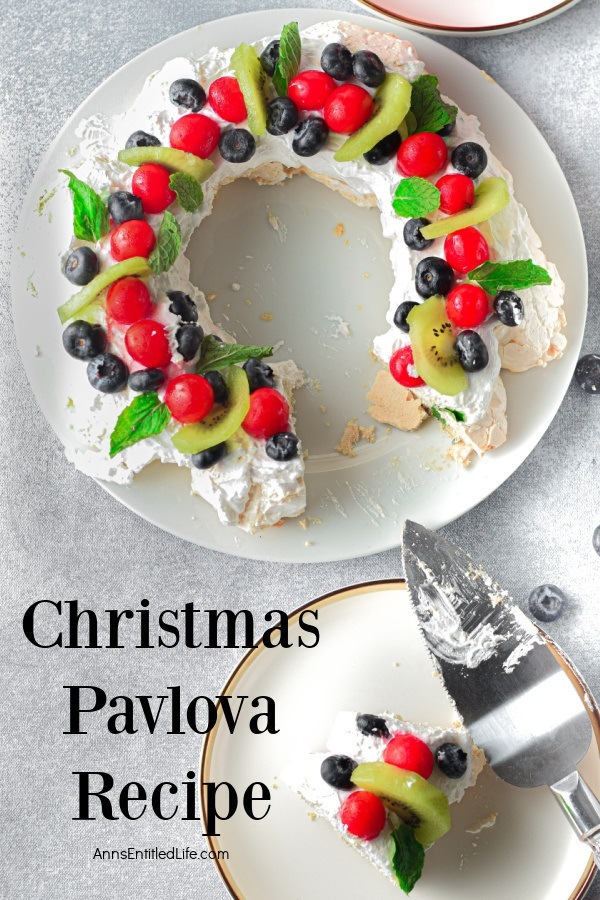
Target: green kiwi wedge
{"type": "Point", "coordinates": [490, 197]}
{"type": "Point", "coordinates": [252, 80]}
{"type": "Point", "coordinates": [414, 800]}
{"type": "Point", "coordinates": [137, 265]}
{"type": "Point", "coordinates": [391, 104]}
{"type": "Point", "coordinates": [432, 340]}
{"type": "Point", "coordinates": [223, 421]}
{"type": "Point", "coordinates": [176, 160]}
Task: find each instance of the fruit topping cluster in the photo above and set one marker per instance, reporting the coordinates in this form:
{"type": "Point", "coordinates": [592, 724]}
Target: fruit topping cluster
{"type": "Point", "coordinates": [396, 789]}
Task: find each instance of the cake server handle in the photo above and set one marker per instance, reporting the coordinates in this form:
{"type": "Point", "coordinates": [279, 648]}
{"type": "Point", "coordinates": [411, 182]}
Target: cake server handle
{"type": "Point", "coordinates": [582, 809]}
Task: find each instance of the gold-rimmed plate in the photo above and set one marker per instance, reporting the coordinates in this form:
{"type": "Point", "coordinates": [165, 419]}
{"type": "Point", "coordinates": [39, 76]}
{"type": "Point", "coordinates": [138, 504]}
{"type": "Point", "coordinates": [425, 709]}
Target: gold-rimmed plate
{"type": "Point", "coordinates": [469, 18]}
{"type": "Point", "coordinates": [371, 657]}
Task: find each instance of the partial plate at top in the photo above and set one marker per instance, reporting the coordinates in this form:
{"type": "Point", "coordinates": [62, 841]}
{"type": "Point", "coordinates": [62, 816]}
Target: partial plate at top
{"type": "Point", "coordinates": [469, 18]}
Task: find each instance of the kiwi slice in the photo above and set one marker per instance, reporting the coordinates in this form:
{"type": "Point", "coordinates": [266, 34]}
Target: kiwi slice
{"type": "Point", "coordinates": [177, 160]}
{"type": "Point", "coordinates": [432, 341]}
{"type": "Point", "coordinates": [222, 422]}
{"type": "Point", "coordinates": [410, 797]}
{"type": "Point", "coordinates": [490, 197]}
{"type": "Point", "coordinates": [252, 80]}
{"type": "Point", "coordinates": [391, 104]}
{"type": "Point", "coordinates": [137, 265]}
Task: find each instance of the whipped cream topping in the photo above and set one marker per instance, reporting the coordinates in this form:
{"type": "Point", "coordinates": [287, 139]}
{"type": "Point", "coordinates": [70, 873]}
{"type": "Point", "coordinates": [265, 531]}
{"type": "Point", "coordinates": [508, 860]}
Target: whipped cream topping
{"type": "Point", "coordinates": [247, 488]}
{"type": "Point", "coordinates": [304, 775]}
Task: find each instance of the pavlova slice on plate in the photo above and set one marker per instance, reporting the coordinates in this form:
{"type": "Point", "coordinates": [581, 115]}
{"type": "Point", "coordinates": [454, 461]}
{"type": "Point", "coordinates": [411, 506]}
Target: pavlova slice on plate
{"type": "Point", "coordinates": [385, 785]}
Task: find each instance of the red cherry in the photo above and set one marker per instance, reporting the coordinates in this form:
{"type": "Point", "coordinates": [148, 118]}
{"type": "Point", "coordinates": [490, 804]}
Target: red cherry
{"type": "Point", "coordinates": [348, 107]}
{"type": "Point", "coordinates": [457, 193]}
{"type": "Point", "coordinates": [422, 154]}
{"type": "Point", "coordinates": [189, 397]}
{"type": "Point", "coordinates": [195, 134]}
{"type": "Point", "coordinates": [128, 301]}
{"type": "Point", "coordinates": [467, 305]}
{"type": "Point", "coordinates": [466, 249]}
{"type": "Point", "coordinates": [147, 343]}
{"type": "Point", "coordinates": [409, 752]}
{"type": "Point", "coordinates": [310, 89]}
{"type": "Point", "coordinates": [363, 814]}
{"type": "Point", "coordinates": [151, 184]}
{"type": "Point", "coordinates": [227, 100]}
{"type": "Point", "coordinates": [399, 368]}
{"type": "Point", "coordinates": [133, 238]}
{"type": "Point", "coordinates": [269, 413]}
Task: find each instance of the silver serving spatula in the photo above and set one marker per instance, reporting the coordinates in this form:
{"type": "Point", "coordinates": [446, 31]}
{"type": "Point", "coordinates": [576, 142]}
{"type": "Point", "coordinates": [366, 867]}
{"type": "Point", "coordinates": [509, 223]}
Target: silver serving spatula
{"type": "Point", "coordinates": [518, 704]}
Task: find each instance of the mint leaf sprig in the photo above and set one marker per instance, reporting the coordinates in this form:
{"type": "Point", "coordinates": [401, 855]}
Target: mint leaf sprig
{"type": "Point", "coordinates": [455, 414]}
{"type": "Point", "coordinates": [430, 111]}
{"type": "Point", "coordinates": [90, 215]}
{"type": "Point", "coordinates": [513, 275]}
{"type": "Point", "coordinates": [168, 244]}
{"type": "Point", "coordinates": [408, 857]}
{"type": "Point", "coordinates": [290, 52]}
{"type": "Point", "coordinates": [216, 354]}
{"type": "Point", "coordinates": [145, 416]}
{"type": "Point", "coordinates": [188, 190]}
{"type": "Point", "coordinates": [415, 197]}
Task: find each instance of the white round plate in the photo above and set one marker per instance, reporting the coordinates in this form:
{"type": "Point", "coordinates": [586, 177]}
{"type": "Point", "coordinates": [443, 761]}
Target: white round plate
{"type": "Point", "coordinates": [469, 18]}
{"type": "Point", "coordinates": [371, 658]}
{"type": "Point", "coordinates": [356, 505]}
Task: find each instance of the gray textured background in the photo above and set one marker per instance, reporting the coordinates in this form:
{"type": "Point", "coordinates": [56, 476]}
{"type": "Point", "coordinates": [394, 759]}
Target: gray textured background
{"type": "Point", "coordinates": [63, 537]}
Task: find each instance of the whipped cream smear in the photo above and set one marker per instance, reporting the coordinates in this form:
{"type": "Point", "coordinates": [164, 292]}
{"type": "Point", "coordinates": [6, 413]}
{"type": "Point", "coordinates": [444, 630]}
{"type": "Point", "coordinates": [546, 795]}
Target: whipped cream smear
{"type": "Point", "coordinates": [247, 488]}
{"type": "Point", "coordinates": [304, 775]}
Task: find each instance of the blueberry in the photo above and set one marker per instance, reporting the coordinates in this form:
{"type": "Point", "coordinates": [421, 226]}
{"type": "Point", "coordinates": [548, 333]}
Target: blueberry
{"type": "Point", "coordinates": [81, 266]}
{"type": "Point", "coordinates": [123, 207]}
{"type": "Point", "coordinates": [336, 60]}
{"type": "Point", "coordinates": [145, 380]}
{"type": "Point", "coordinates": [596, 540]}
{"type": "Point", "coordinates": [282, 115]}
{"type": "Point", "coordinates": [587, 373]}
{"type": "Point", "coordinates": [107, 373]}
{"type": "Point", "coordinates": [509, 308]}
{"type": "Point", "coordinates": [383, 151]}
{"type": "Point", "coordinates": [84, 341]}
{"type": "Point", "coordinates": [189, 337]}
{"type": "Point", "coordinates": [336, 771]}
{"type": "Point", "coordinates": [451, 760]}
{"type": "Point", "coordinates": [413, 237]}
{"type": "Point", "coordinates": [183, 306]}
{"type": "Point", "coordinates": [433, 276]}
{"type": "Point", "coordinates": [373, 726]}
{"type": "Point", "coordinates": [472, 353]}
{"type": "Point", "coordinates": [310, 135]}
{"type": "Point", "coordinates": [207, 458]}
{"type": "Point", "coordinates": [546, 602]}
{"type": "Point", "coordinates": [259, 374]}
{"type": "Point", "coordinates": [269, 57]}
{"type": "Point", "coordinates": [282, 446]}
{"type": "Point", "coordinates": [469, 159]}
{"type": "Point", "coordinates": [141, 139]}
{"type": "Point", "coordinates": [187, 92]}
{"type": "Point", "coordinates": [237, 145]}
{"type": "Point", "coordinates": [401, 314]}
{"type": "Point", "coordinates": [217, 383]}
{"type": "Point", "coordinates": [368, 68]}
{"type": "Point", "coordinates": [447, 129]}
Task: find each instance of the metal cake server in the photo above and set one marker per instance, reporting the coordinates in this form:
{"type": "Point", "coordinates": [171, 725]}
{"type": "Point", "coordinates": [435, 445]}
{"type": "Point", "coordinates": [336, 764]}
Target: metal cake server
{"type": "Point", "coordinates": [517, 702]}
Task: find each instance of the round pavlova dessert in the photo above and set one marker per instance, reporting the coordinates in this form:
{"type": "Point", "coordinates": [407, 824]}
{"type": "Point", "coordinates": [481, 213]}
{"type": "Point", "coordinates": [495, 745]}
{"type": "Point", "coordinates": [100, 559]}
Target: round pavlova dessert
{"type": "Point", "coordinates": [354, 109]}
